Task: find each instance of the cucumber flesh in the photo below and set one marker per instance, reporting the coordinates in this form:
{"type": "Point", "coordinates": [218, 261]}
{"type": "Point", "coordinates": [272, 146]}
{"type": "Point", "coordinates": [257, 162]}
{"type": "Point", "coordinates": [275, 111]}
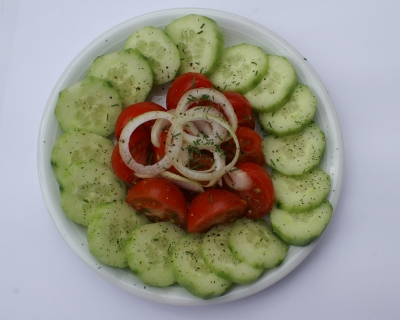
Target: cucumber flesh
{"type": "Point", "coordinates": [191, 271]}
{"type": "Point", "coordinates": [85, 185]}
{"type": "Point", "coordinates": [300, 229]}
{"type": "Point", "coordinates": [276, 86]}
{"type": "Point", "coordinates": [79, 145]}
{"type": "Point", "coordinates": [219, 258]}
{"type": "Point", "coordinates": [158, 48]}
{"type": "Point", "coordinates": [148, 249]}
{"type": "Point", "coordinates": [295, 154]}
{"type": "Point", "coordinates": [293, 116]}
{"type": "Point", "coordinates": [242, 68]}
{"type": "Point", "coordinates": [253, 242]}
{"type": "Point", "coordinates": [91, 104]}
{"type": "Point", "coordinates": [108, 229]}
{"type": "Point", "coordinates": [200, 42]}
{"type": "Point", "coordinates": [300, 193]}
{"type": "Point", "coordinates": [128, 71]}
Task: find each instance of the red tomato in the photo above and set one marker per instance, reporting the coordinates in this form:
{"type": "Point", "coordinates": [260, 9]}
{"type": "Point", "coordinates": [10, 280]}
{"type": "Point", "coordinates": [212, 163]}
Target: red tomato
{"type": "Point", "coordinates": [183, 83]}
{"type": "Point", "coordinates": [120, 169]}
{"type": "Point", "coordinates": [160, 200]}
{"type": "Point", "coordinates": [159, 152]}
{"type": "Point", "coordinates": [260, 197]}
{"type": "Point", "coordinates": [141, 151]}
{"type": "Point", "coordinates": [242, 109]}
{"type": "Point", "coordinates": [250, 146]}
{"type": "Point", "coordinates": [133, 111]}
{"type": "Point", "coordinates": [214, 206]}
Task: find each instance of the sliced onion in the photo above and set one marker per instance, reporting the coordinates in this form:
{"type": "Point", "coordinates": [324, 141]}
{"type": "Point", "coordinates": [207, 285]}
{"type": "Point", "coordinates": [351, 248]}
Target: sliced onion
{"type": "Point", "coordinates": [215, 136]}
{"type": "Point", "coordinates": [139, 169]}
{"type": "Point", "coordinates": [185, 126]}
{"type": "Point", "coordinates": [211, 94]}
{"type": "Point", "coordinates": [191, 128]}
{"type": "Point", "coordinates": [208, 127]}
{"type": "Point", "coordinates": [158, 127]}
{"type": "Point", "coordinates": [184, 159]}
{"type": "Point", "coordinates": [144, 176]}
{"type": "Point", "coordinates": [183, 182]}
{"type": "Point", "coordinates": [175, 142]}
{"type": "Point", "coordinates": [203, 126]}
{"type": "Point", "coordinates": [238, 179]}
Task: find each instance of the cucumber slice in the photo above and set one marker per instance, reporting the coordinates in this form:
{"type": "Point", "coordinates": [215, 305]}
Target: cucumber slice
{"type": "Point", "coordinates": [300, 193]}
{"type": "Point", "coordinates": [148, 249]}
{"type": "Point", "coordinates": [108, 229]}
{"type": "Point", "coordinates": [200, 42]}
{"type": "Point", "coordinates": [293, 116]}
{"type": "Point", "coordinates": [300, 229]}
{"type": "Point", "coordinates": [85, 185]}
{"type": "Point", "coordinates": [128, 71]}
{"type": "Point", "coordinates": [295, 154]}
{"type": "Point", "coordinates": [219, 258]}
{"type": "Point", "coordinates": [253, 242]}
{"type": "Point", "coordinates": [91, 104]}
{"type": "Point", "coordinates": [242, 68]}
{"type": "Point", "coordinates": [79, 145]}
{"type": "Point", "coordinates": [192, 273]}
{"type": "Point", "coordinates": [276, 87]}
{"type": "Point", "coordinates": [160, 51]}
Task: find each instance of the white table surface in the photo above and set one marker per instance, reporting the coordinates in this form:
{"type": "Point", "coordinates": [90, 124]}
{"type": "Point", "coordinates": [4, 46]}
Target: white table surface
{"type": "Point", "coordinates": [353, 273]}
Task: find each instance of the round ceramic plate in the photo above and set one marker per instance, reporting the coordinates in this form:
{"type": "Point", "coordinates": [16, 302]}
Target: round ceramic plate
{"type": "Point", "coordinates": [237, 30]}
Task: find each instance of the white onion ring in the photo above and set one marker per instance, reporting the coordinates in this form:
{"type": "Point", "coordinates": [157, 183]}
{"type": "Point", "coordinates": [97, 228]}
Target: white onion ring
{"type": "Point", "coordinates": [203, 126]}
{"type": "Point", "coordinates": [191, 128]}
{"type": "Point", "coordinates": [175, 142]}
{"type": "Point", "coordinates": [196, 94]}
{"type": "Point", "coordinates": [213, 130]}
{"type": "Point", "coordinates": [238, 179]}
{"type": "Point", "coordinates": [183, 182]}
{"type": "Point", "coordinates": [184, 132]}
{"type": "Point", "coordinates": [156, 131]}
{"type": "Point", "coordinates": [158, 127]}
{"type": "Point", "coordinates": [139, 169]}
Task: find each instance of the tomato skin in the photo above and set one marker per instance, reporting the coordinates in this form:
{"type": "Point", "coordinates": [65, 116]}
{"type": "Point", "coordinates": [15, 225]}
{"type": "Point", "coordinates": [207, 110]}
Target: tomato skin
{"type": "Point", "coordinates": [159, 152]}
{"type": "Point", "coordinates": [141, 151]}
{"type": "Point", "coordinates": [120, 168]}
{"type": "Point", "coordinates": [159, 199]}
{"type": "Point", "coordinates": [250, 146]}
{"type": "Point", "coordinates": [133, 111]}
{"type": "Point", "coordinates": [260, 198]}
{"type": "Point", "coordinates": [214, 206]}
{"type": "Point", "coordinates": [242, 109]}
{"type": "Point", "coordinates": [183, 83]}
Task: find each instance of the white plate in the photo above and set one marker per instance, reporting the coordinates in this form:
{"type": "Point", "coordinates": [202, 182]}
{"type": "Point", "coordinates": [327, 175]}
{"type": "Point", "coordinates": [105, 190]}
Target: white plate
{"type": "Point", "coordinates": [236, 30]}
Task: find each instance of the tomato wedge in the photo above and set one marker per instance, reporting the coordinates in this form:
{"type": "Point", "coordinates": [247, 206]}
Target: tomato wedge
{"type": "Point", "coordinates": [214, 206]}
{"type": "Point", "coordinates": [141, 151]}
{"type": "Point", "coordinates": [120, 168]}
{"type": "Point", "coordinates": [250, 146]}
{"type": "Point", "coordinates": [242, 109]}
{"type": "Point", "coordinates": [159, 199]}
{"type": "Point", "coordinates": [183, 83]}
{"type": "Point", "coordinates": [260, 197]}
